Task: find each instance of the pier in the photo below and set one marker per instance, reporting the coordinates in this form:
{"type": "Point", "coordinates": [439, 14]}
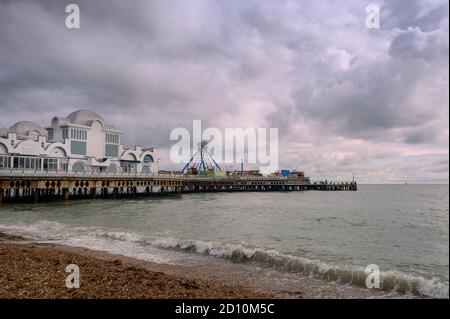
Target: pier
{"type": "Point", "coordinates": [48, 186]}
{"type": "Point", "coordinates": [80, 156]}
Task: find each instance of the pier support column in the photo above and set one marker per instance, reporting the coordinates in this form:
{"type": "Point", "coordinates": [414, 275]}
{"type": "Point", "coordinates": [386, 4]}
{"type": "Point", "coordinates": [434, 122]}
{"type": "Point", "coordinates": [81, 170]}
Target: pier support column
{"type": "Point", "coordinates": [66, 194]}
{"type": "Point", "coordinates": [115, 191]}
{"type": "Point", "coordinates": [1, 195]}
{"type": "Point", "coordinates": [35, 195]}
{"type": "Point", "coordinates": [93, 192]}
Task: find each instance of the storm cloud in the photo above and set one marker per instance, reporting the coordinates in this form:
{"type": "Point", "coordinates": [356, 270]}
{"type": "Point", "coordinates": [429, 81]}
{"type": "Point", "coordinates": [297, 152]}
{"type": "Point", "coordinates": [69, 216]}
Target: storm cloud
{"type": "Point", "coordinates": [346, 99]}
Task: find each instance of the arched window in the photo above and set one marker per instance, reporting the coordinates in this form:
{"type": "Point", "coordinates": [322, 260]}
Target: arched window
{"type": "Point", "coordinates": [146, 170]}
{"type": "Point", "coordinates": [78, 167]}
{"type": "Point", "coordinates": [148, 159]}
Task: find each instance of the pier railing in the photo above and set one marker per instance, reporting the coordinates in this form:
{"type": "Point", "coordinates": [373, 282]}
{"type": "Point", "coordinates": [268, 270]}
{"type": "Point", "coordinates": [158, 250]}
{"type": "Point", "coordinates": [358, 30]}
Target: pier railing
{"type": "Point", "coordinates": [18, 173]}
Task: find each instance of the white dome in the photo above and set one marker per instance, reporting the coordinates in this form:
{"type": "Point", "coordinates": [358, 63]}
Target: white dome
{"type": "Point", "coordinates": [27, 128]}
{"type": "Point", "coordinates": [84, 117]}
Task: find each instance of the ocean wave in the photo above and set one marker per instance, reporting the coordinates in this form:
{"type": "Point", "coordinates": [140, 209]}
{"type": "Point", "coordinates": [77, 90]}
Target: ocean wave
{"type": "Point", "coordinates": [46, 230]}
{"type": "Point", "coordinates": [390, 281]}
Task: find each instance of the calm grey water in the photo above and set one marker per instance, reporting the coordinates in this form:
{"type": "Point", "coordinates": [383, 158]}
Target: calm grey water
{"type": "Point", "coordinates": [328, 236]}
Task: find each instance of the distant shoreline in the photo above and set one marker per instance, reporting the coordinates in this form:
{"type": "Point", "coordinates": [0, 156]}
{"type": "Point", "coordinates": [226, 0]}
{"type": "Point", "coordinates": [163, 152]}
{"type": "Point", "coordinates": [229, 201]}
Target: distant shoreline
{"type": "Point", "coordinates": [33, 270]}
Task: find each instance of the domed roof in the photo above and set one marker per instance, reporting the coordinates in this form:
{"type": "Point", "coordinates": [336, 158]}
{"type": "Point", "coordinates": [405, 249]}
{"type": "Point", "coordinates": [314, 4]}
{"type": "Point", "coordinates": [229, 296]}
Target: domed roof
{"type": "Point", "coordinates": [27, 128]}
{"type": "Point", "coordinates": [83, 117]}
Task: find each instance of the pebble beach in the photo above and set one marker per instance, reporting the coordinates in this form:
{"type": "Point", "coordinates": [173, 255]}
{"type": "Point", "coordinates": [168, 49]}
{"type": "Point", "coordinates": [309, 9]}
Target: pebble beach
{"type": "Point", "coordinates": [31, 270]}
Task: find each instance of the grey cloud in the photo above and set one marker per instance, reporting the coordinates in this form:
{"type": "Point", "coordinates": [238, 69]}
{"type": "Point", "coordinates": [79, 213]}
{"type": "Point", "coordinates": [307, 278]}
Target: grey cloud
{"type": "Point", "coordinates": [415, 44]}
{"type": "Point", "coordinates": [426, 15]}
{"type": "Point", "coordinates": [367, 100]}
{"type": "Point", "coordinates": [421, 136]}
{"type": "Point", "coordinates": [309, 68]}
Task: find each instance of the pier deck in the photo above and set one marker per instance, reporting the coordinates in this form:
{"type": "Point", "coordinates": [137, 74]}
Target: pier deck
{"type": "Point", "coordinates": [47, 186]}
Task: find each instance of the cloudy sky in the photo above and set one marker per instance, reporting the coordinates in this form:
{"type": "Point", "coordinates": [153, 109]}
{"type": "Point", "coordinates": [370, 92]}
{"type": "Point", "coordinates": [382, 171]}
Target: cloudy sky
{"type": "Point", "coordinates": [345, 98]}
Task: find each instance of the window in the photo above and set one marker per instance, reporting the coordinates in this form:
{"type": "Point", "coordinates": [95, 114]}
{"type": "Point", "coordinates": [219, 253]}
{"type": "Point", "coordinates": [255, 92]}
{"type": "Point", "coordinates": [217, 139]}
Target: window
{"type": "Point", "coordinates": [78, 134]}
{"type": "Point", "coordinates": [111, 147]}
{"type": "Point", "coordinates": [63, 165]}
{"type": "Point", "coordinates": [50, 164]}
{"type": "Point", "coordinates": [78, 147]}
{"type": "Point", "coordinates": [148, 159]}
{"type": "Point", "coordinates": [111, 150]}
{"type": "Point", "coordinates": [65, 133]}
{"type": "Point", "coordinates": [5, 162]}
{"type": "Point", "coordinates": [78, 167]}
{"type": "Point", "coordinates": [111, 138]}
{"type": "Point", "coordinates": [128, 167]}
{"type": "Point", "coordinates": [26, 163]}
{"type": "Point", "coordinates": [50, 134]}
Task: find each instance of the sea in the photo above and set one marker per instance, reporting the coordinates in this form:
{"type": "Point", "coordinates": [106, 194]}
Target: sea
{"type": "Point", "coordinates": [382, 241]}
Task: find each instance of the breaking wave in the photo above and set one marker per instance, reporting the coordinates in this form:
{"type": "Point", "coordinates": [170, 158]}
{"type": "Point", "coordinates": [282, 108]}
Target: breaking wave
{"type": "Point", "coordinates": [390, 281]}
{"type": "Point", "coordinates": [89, 237]}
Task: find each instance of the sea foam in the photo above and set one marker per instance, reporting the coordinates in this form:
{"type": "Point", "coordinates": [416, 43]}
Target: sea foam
{"type": "Point", "coordinates": [391, 281]}
{"type": "Point", "coordinates": [94, 238]}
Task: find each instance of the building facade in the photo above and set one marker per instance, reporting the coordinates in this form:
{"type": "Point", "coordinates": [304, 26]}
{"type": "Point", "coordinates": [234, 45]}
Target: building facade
{"type": "Point", "coordinates": [82, 142]}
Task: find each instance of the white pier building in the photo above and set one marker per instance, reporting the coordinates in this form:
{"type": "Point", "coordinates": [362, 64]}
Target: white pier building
{"type": "Point", "coordinates": [82, 142]}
